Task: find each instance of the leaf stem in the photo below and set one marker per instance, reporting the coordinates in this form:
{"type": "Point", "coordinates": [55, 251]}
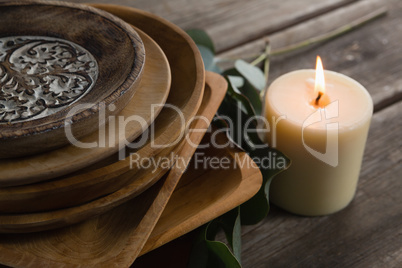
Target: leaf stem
{"type": "Point", "coordinates": [266, 62]}
{"type": "Point", "coordinates": [332, 34]}
{"type": "Point", "coordinates": [266, 67]}
{"type": "Point", "coordinates": [314, 40]}
{"type": "Point", "coordinates": [259, 59]}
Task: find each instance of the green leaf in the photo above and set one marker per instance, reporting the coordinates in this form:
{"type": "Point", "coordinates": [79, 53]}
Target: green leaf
{"type": "Point", "coordinates": [209, 59]}
{"type": "Point", "coordinates": [236, 94]}
{"type": "Point", "coordinates": [231, 225]}
{"type": "Point", "coordinates": [252, 74]}
{"type": "Point", "coordinates": [257, 207]}
{"type": "Point", "coordinates": [200, 37]}
{"type": "Point", "coordinates": [209, 253]}
{"type": "Point", "coordinates": [240, 105]}
{"type": "Point", "coordinates": [222, 257]}
{"type": "Point", "coordinates": [248, 90]}
{"type": "Point", "coordinates": [236, 81]}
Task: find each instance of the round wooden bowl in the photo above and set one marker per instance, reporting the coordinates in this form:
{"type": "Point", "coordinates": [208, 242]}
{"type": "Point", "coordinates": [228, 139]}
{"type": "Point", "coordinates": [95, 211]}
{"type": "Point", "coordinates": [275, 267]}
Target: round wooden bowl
{"type": "Point", "coordinates": [188, 78]}
{"type": "Point", "coordinates": [61, 64]}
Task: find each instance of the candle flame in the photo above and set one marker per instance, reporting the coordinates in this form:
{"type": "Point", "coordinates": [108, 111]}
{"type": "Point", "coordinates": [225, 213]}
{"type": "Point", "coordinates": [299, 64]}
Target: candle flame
{"type": "Point", "coordinates": [319, 88]}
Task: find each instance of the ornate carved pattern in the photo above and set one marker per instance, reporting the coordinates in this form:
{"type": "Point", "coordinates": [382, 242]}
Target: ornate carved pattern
{"type": "Point", "coordinates": [41, 75]}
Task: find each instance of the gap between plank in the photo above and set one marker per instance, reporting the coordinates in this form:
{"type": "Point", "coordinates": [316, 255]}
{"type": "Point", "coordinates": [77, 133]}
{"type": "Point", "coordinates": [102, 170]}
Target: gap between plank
{"type": "Point", "coordinates": [289, 24]}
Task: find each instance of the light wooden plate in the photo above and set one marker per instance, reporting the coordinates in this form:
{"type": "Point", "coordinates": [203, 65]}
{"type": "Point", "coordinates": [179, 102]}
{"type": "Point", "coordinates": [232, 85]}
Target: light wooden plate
{"type": "Point", "coordinates": [109, 240]}
{"type": "Point", "coordinates": [154, 89]}
{"type": "Point", "coordinates": [186, 91]}
{"type": "Point", "coordinates": [203, 195]}
{"type": "Point", "coordinates": [70, 52]}
{"type": "Point", "coordinates": [34, 222]}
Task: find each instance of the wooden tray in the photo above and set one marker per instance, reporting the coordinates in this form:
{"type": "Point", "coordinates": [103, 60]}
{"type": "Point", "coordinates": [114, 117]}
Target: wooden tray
{"type": "Point", "coordinates": [112, 238]}
{"type": "Point", "coordinates": [84, 186]}
{"type": "Point", "coordinates": [154, 89]}
{"type": "Point", "coordinates": [188, 79]}
{"type": "Point", "coordinates": [68, 66]}
{"type": "Point", "coordinates": [34, 222]}
{"type": "Point", "coordinates": [205, 194]}
{"type": "Point", "coordinates": [107, 240]}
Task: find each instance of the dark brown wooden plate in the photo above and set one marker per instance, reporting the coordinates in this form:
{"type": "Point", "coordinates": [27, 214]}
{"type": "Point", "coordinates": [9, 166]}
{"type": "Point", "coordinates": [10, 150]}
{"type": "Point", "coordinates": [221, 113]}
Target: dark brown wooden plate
{"type": "Point", "coordinates": [61, 63]}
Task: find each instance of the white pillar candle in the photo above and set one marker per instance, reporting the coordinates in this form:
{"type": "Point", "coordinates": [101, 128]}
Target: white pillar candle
{"type": "Point", "coordinates": [322, 128]}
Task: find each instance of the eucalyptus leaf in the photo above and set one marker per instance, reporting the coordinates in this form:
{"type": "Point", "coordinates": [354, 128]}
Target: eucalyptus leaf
{"type": "Point", "coordinates": [253, 95]}
{"type": "Point", "coordinates": [247, 89]}
{"type": "Point", "coordinates": [209, 253]}
{"type": "Point", "coordinates": [240, 106]}
{"type": "Point", "coordinates": [209, 59]}
{"type": "Point", "coordinates": [200, 37]}
{"type": "Point", "coordinates": [235, 93]}
{"type": "Point", "coordinates": [252, 74]}
{"type": "Point", "coordinates": [215, 68]}
{"type": "Point", "coordinates": [257, 207]}
{"type": "Point", "coordinates": [222, 257]}
{"type": "Point", "coordinates": [231, 225]}
{"type": "Point", "coordinates": [236, 81]}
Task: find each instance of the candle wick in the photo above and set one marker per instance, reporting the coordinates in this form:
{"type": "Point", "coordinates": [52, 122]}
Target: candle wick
{"type": "Point", "coordinates": [318, 97]}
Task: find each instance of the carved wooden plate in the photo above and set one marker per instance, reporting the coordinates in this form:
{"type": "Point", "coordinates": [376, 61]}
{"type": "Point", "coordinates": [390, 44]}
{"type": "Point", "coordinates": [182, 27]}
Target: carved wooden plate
{"type": "Point", "coordinates": [27, 172]}
{"type": "Point", "coordinates": [60, 65]}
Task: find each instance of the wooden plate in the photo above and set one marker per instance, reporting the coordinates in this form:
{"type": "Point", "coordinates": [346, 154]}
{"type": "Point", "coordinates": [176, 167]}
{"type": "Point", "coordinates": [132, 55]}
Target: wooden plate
{"type": "Point", "coordinates": [154, 89]}
{"type": "Point", "coordinates": [108, 239]}
{"type": "Point", "coordinates": [34, 222]}
{"type": "Point", "coordinates": [59, 67]}
{"type": "Point", "coordinates": [186, 90]}
{"type": "Point", "coordinates": [205, 194]}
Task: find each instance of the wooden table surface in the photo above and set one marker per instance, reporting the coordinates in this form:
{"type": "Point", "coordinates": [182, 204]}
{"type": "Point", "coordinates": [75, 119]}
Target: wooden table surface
{"type": "Point", "coordinates": [368, 233]}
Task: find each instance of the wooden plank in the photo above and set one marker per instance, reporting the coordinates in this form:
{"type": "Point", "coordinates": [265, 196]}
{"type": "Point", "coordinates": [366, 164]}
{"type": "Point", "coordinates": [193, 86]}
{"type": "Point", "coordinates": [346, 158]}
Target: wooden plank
{"type": "Point", "coordinates": [235, 22]}
{"type": "Point", "coordinates": [372, 54]}
{"type": "Point", "coordinates": [365, 234]}
{"type": "Point", "coordinates": [311, 28]}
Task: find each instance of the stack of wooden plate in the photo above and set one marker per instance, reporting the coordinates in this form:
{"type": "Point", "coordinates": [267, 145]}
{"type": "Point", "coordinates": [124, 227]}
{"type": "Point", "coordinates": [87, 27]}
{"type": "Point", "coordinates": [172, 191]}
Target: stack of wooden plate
{"type": "Point", "coordinates": [122, 83]}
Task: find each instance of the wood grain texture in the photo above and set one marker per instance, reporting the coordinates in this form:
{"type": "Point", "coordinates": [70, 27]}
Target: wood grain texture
{"type": "Point", "coordinates": [239, 186]}
{"type": "Point", "coordinates": [99, 33]}
{"type": "Point", "coordinates": [235, 22]}
{"type": "Point", "coordinates": [115, 238]}
{"type": "Point", "coordinates": [84, 186]}
{"type": "Point", "coordinates": [313, 27]}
